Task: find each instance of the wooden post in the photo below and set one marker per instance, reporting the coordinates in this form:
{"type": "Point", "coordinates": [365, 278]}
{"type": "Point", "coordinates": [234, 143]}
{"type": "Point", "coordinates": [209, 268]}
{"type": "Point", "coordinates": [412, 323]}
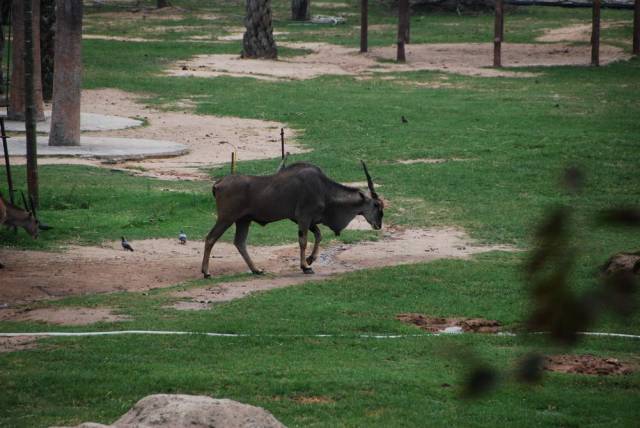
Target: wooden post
{"type": "Point", "coordinates": [29, 103]}
{"type": "Point", "coordinates": [595, 34]}
{"type": "Point", "coordinates": [233, 163]}
{"type": "Point", "coordinates": [403, 12]}
{"type": "Point", "coordinates": [636, 28]}
{"type": "Point", "coordinates": [498, 33]}
{"type": "Point", "coordinates": [7, 163]}
{"type": "Point", "coordinates": [364, 26]}
{"type": "Point", "coordinates": [282, 141]}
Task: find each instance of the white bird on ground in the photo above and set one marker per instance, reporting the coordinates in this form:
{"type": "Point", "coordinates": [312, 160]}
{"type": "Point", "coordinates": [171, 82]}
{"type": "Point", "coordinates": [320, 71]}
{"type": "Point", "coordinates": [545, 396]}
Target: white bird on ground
{"type": "Point", "coordinates": [182, 237]}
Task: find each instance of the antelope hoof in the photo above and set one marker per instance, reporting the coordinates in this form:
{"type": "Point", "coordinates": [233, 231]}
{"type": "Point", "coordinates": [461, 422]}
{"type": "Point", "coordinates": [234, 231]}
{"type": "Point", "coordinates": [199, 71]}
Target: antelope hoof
{"type": "Point", "coordinates": [310, 260]}
{"type": "Point", "coordinates": [258, 272]}
{"type": "Point", "coordinates": [207, 275]}
{"type": "Point", "coordinates": [308, 271]}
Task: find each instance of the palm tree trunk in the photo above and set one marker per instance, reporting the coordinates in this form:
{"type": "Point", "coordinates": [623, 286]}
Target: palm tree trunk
{"type": "Point", "coordinates": [67, 78]}
{"type": "Point", "coordinates": [258, 39]}
{"type": "Point", "coordinates": [17, 90]}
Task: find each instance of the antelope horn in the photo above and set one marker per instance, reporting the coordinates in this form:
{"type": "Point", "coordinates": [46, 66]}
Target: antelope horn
{"type": "Point", "coordinates": [33, 206]}
{"type": "Point", "coordinates": [24, 201]}
{"type": "Point", "coordinates": [369, 181]}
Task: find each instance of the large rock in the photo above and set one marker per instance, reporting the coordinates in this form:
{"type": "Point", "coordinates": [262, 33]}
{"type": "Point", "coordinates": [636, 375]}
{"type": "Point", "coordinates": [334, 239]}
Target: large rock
{"type": "Point", "coordinates": [193, 411]}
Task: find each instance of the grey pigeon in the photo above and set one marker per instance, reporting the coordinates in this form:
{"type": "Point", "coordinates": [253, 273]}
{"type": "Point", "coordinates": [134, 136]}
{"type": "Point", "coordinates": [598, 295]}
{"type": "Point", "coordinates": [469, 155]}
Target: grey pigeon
{"type": "Point", "coordinates": [182, 237]}
{"type": "Point", "coordinates": [125, 245]}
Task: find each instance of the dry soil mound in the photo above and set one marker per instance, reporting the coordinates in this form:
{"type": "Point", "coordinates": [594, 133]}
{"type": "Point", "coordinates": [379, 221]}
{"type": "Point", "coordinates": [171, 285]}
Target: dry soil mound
{"type": "Point", "coordinates": [586, 364]}
{"type": "Point", "coordinates": [450, 325]}
{"type": "Point", "coordinates": [194, 411]}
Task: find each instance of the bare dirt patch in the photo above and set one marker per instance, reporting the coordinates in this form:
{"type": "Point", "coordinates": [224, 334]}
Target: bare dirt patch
{"type": "Point", "coordinates": [397, 247]}
{"type": "Point", "coordinates": [210, 139]}
{"type": "Point", "coordinates": [38, 275]}
{"type": "Point", "coordinates": [450, 325]}
{"type": "Point", "coordinates": [622, 263]}
{"type": "Point", "coordinates": [473, 59]}
{"type": "Point", "coordinates": [63, 316]}
{"type": "Point", "coordinates": [237, 33]}
{"type": "Point", "coordinates": [143, 14]}
{"type": "Point", "coordinates": [586, 364]}
{"type": "Point", "coordinates": [422, 160]}
{"type": "Point", "coordinates": [331, 5]}
{"type": "Point", "coordinates": [17, 343]}
{"type": "Point", "coordinates": [118, 38]}
{"type": "Point", "coordinates": [303, 399]}
{"type": "Point", "coordinates": [574, 33]}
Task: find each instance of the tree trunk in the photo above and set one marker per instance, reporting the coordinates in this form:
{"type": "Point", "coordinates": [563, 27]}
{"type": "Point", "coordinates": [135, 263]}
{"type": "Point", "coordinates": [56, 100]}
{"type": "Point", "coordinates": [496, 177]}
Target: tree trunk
{"type": "Point", "coordinates": [364, 26]}
{"type": "Point", "coordinates": [258, 40]}
{"type": "Point", "coordinates": [16, 92]}
{"type": "Point", "coordinates": [403, 21]}
{"type": "Point", "coordinates": [5, 13]}
{"type": "Point", "coordinates": [47, 32]}
{"type": "Point", "coordinates": [29, 63]}
{"type": "Point", "coordinates": [300, 10]}
{"type": "Point", "coordinates": [65, 118]}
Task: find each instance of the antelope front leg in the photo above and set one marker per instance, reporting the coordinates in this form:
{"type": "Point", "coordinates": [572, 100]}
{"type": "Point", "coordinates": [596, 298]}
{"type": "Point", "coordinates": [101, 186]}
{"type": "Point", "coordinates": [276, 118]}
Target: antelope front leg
{"type": "Point", "coordinates": [302, 240]}
{"type": "Point", "coordinates": [316, 244]}
{"type": "Point", "coordinates": [240, 241]}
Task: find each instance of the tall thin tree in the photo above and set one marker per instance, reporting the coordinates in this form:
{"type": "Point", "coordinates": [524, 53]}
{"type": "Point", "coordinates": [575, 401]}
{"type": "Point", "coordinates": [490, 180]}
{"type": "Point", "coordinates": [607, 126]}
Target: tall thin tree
{"type": "Point", "coordinates": [29, 101]}
{"type": "Point", "coordinates": [47, 30]}
{"type": "Point", "coordinates": [67, 77]}
{"type": "Point", "coordinates": [258, 39]}
{"type": "Point", "coordinates": [300, 10]}
{"type": "Point", "coordinates": [17, 91]}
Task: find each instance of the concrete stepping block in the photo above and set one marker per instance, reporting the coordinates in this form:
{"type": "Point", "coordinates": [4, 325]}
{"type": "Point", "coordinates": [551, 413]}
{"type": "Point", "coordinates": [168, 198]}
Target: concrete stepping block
{"type": "Point", "coordinates": [103, 148]}
{"type": "Point", "coordinates": [88, 122]}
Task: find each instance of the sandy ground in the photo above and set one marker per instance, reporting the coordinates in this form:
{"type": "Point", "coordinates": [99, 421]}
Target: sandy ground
{"type": "Point", "coordinates": [474, 59]}
{"type": "Point", "coordinates": [37, 275]}
{"type": "Point", "coordinates": [210, 139]}
{"type": "Point", "coordinates": [62, 316]}
{"type": "Point", "coordinates": [397, 247]}
{"type": "Point", "coordinates": [118, 38]}
{"type": "Point", "coordinates": [574, 33]}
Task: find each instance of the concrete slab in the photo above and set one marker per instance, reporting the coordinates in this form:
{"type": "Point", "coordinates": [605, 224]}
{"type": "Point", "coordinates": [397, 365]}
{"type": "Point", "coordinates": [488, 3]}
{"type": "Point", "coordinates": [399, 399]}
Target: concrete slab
{"type": "Point", "coordinates": [103, 148]}
{"type": "Point", "coordinates": [88, 122]}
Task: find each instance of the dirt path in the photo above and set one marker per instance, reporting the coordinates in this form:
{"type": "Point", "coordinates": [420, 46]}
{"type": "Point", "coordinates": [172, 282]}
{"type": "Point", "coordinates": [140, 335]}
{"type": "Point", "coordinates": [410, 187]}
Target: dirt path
{"type": "Point", "coordinates": [37, 275]}
{"type": "Point", "coordinates": [575, 32]}
{"type": "Point", "coordinates": [473, 59]}
{"type": "Point", "coordinates": [210, 139]}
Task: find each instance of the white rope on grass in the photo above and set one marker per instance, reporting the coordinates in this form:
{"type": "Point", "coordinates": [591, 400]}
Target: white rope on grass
{"type": "Point", "coordinates": [283, 336]}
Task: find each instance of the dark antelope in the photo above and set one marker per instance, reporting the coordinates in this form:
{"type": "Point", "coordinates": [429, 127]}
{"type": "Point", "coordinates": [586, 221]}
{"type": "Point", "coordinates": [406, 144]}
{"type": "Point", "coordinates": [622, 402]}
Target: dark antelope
{"type": "Point", "coordinates": [301, 193]}
{"type": "Point", "coordinates": [14, 216]}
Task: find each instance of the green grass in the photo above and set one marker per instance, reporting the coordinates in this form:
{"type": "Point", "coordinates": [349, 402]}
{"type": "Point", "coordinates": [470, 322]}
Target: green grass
{"type": "Point", "coordinates": [515, 137]}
